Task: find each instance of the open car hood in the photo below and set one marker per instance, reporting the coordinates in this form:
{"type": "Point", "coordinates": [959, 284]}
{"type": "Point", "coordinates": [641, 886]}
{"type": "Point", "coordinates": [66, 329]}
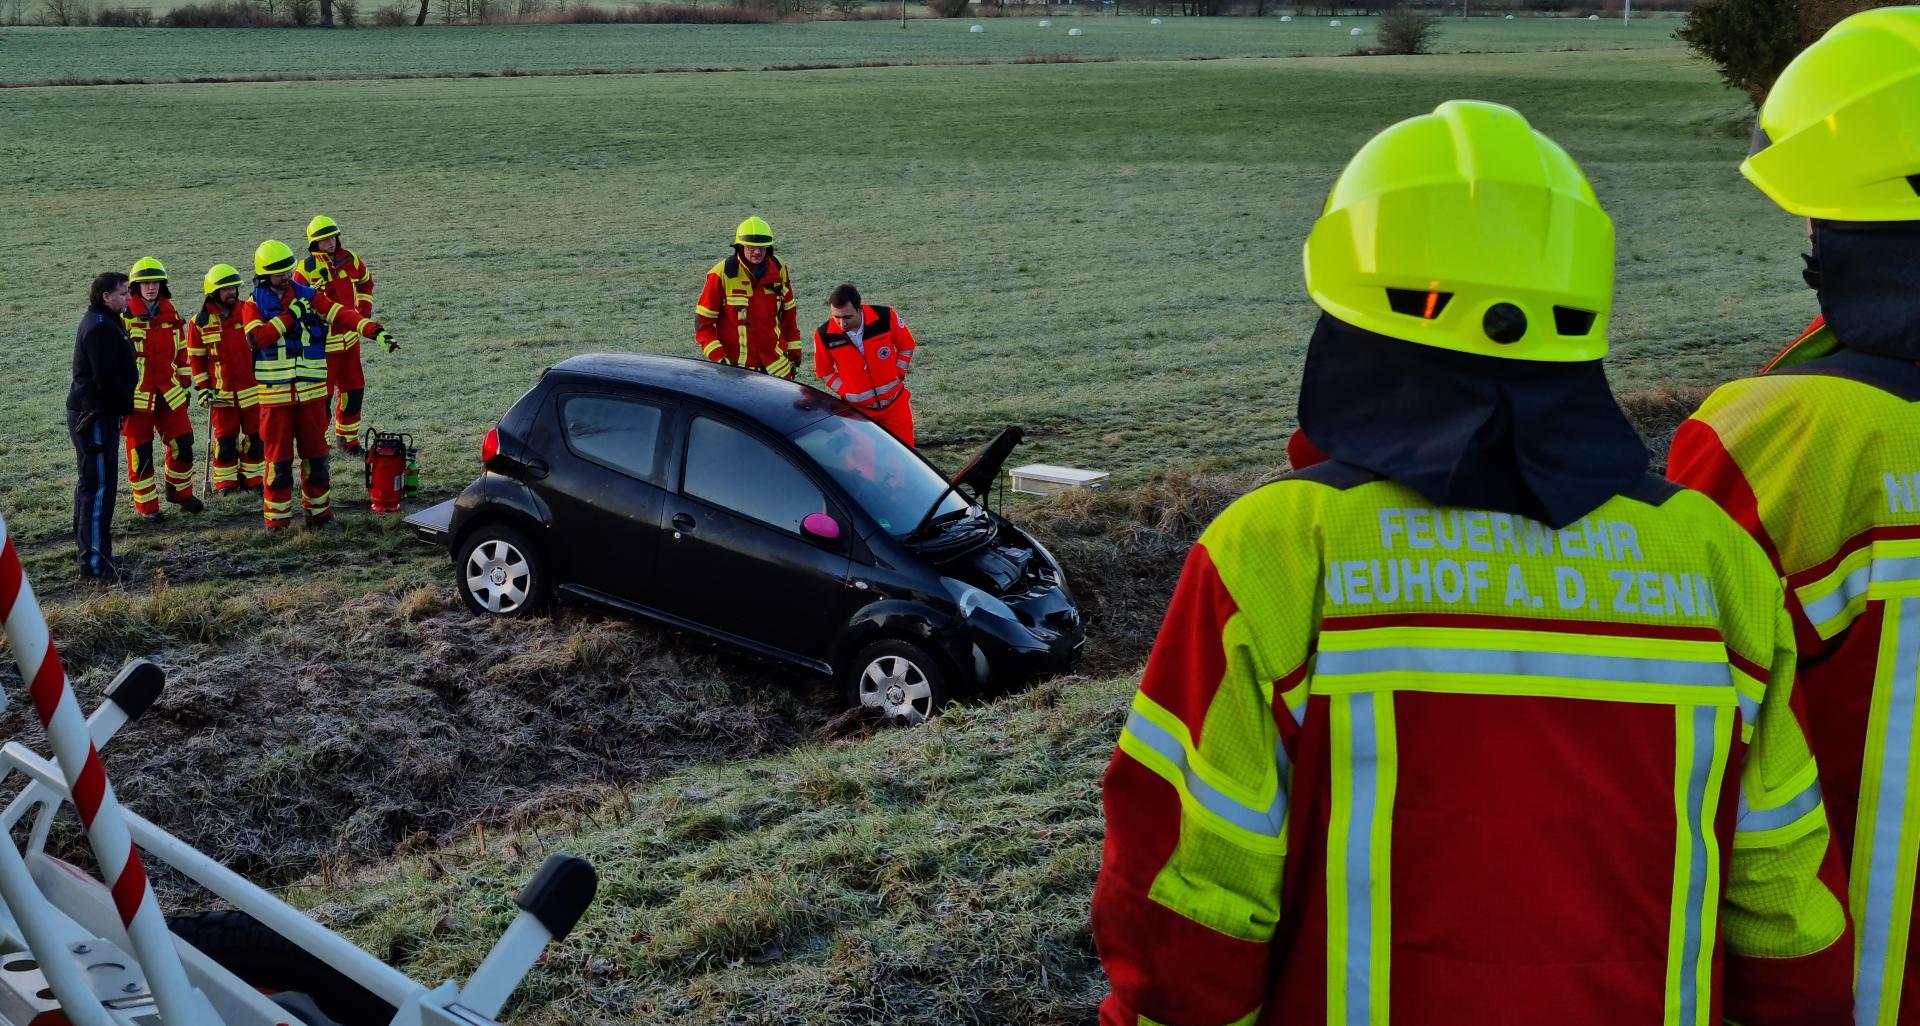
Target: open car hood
{"type": "Point", "coordinates": [979, 473]}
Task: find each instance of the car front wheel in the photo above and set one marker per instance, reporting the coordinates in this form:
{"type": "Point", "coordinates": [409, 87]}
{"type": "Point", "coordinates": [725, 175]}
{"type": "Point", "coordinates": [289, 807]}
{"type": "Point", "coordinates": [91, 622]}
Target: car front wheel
{"type": "Point", "coordinates": [501, 573]}
{"type": "Point", "coordinates": [898, 679]}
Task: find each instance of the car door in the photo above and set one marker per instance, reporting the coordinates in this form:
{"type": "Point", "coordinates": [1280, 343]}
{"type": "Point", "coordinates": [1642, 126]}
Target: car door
{"type": "Point", "coordinates": [733, 559]}
{"type": "Point", "coordinates": [605, 485]}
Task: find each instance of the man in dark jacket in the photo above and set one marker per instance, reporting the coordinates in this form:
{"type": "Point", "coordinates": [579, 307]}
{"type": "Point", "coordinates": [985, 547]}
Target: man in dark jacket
{"type": "Point", "coordinates": [102, 394]}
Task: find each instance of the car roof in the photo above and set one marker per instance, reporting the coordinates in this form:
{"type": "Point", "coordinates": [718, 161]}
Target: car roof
{"type": "Point", "coordinates": [782, 405]}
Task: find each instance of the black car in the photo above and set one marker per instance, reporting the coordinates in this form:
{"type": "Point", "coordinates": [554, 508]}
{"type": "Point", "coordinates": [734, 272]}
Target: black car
{"type": "Point", "coordinates": [766, 514]}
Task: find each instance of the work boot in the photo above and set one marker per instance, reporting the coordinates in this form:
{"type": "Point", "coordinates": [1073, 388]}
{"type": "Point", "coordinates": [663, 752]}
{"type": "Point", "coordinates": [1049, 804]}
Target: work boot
{"type": "Point", "coordinates": [278, 525]}
{"type": "Point", "coordinates": [154, 517]}
{"type": "Point", "coordinates": [353, 448]}
{"type": "Point", "coordinates": [116, 573]}
{"type": "Point", "coordinates": [191, 504]}
{"type": "Point", "coordinates": [316, 521]}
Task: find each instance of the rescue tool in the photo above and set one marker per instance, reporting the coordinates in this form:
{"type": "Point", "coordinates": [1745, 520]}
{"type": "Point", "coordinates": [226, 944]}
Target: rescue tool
{"type": "Point", "coordinates": [79, 952]}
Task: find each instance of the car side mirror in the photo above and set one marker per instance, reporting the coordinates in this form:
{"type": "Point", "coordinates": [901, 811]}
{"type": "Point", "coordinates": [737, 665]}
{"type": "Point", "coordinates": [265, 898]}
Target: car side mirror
{"type": "Point", "coordinates": [820, 527]}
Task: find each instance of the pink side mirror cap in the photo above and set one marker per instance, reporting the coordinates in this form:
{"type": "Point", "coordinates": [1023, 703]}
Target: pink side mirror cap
{"type": "Point", "coordinates": [821, 526]}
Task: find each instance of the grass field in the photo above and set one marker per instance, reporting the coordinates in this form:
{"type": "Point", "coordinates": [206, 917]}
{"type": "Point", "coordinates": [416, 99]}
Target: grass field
{"type": "Point", "coordinates": [928, 877]}
{"type": "Point", "coordinates": [1106, 253]}
{"type": "Point", "coordinates": [51, 54]}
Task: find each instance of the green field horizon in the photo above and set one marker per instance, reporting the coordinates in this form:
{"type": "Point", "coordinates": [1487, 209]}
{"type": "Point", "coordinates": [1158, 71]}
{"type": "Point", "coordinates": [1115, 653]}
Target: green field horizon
{"type": "Point", "coordinates": [40, 55]}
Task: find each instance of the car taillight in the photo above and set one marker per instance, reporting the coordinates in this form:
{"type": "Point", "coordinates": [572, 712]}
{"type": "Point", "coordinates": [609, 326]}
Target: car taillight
{"type": "Point", "coordinates": [490, 447]}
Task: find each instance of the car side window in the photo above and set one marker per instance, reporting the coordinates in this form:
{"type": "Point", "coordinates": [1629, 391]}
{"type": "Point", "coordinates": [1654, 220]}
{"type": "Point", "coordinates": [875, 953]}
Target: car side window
{"type": "Point", "coordinates": [623, 434]}
{"type": "Point", "coordinates": [735, 471]}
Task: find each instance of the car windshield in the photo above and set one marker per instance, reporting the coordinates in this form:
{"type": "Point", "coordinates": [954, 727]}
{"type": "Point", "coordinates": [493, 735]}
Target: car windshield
{"type": "Point", "coordinates": [893, 484]}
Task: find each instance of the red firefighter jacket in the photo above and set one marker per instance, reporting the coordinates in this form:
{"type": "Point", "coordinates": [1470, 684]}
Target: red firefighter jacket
{"type": "Point", "coordinates": [749, 321]}
{"type": "Point", "coordinates": [872, 374]}
{"type": "Point", "coordinates": [289, 354]}
{"type": "Point", "coordinates": [343, 278]}
{"type": "Point", "coordinates": [221, 359]}
{"type": "Point", "coordinates": [1392, 763]}
{"type": "Point", "coordinates": [1819, 459]}
{"type": "Point", "coordinates": [159, 352]}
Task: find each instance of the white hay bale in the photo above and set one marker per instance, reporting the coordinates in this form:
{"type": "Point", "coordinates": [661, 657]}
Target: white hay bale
{"type": "Point", "coordinates": [1509, 17]}
{"type": "Point", "coordinates": [1335, 23]}
{"type": "Point", "coordinates": [1046, 23]}
{"type": "Point", "coordinates": [1074, 32]}
{"type": "Point", "coordinates": [1356, 32]}
{"type": "Point", "coordinates": [1286, 18]}
{"type": "Point", "coordinates": [978, 28]}
{"type": "Point", "coordinates": [1156, 21]}
{"type": "Point", "coordinates": [1593, 17]}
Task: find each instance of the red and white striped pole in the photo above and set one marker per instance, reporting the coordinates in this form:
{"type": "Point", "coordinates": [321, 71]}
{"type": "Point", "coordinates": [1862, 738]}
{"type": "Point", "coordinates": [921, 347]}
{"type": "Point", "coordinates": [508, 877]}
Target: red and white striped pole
{"type": "Point", "coordinates": [92, 794]}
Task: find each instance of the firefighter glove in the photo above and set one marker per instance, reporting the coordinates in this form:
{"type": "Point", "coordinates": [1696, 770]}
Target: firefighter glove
{"type": "Point", "coordinates": [299, 308]}
{"type": "Point", "coordinates": [204, 396]}
{"type": "Point", "coordinates": [385, 338]}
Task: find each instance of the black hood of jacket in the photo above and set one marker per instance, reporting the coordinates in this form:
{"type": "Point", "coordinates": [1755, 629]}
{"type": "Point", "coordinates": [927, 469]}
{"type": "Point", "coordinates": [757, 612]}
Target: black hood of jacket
{"type": "Point", "coordinates": [1868, 278]}
{"type": "Point", "coordinates": [1540, 440]}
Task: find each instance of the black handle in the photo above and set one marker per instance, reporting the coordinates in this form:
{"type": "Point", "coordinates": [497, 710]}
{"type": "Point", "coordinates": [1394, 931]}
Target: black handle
{"type": "Point", "coordinates": [558, 895]}
{"type": "Point", "coordinates": [683, 522]}
{"type": "Point", "coordinates": [136, 687]}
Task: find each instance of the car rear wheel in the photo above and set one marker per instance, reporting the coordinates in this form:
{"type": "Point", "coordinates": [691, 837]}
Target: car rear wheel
{"type": "Point", "coordinates": [501, 573]}
{"type": "Point", "coordinates": [898, 679]}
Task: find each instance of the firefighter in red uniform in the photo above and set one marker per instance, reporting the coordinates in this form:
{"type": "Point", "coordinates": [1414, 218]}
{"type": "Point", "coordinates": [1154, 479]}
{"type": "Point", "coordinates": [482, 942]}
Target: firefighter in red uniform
{"type": "Point", "coordinates": [288, 325]}
{"type": "Point", "coordinates": [339, 273]}
{"type": "Point", "coordinates": [160, 399]}
{"type": "Point", "coordinates": [863, 353]}
{"type": "Point", "coordinates": [1818, 458]}
{"type": "Point", "coordinates": [222, 363]}
{"type": "Point", "coordinates": [747, 316]}
{"type": "Point", "coordinates": [1476, 721]}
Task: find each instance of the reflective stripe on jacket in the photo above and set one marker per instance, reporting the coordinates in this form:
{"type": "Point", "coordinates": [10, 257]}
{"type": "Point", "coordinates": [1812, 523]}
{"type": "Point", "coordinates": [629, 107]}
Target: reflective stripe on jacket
{"type": "Point", "coordinates": [873, 374]}
{"type": "Point", "coordinates": [748, 321]}
{"type": "Point", "coordinates": [1398, 764]}
{"type": "Point", "coordinates": [290, 361]}
{"type": "Point", "coordinates": [222, 361]}
{"type": "Point", "coordinates": [1820, 462]}
{"type": "Point", "coordinates": [344, 279]}
{"type": "Point", "coordinates": [159, 352]}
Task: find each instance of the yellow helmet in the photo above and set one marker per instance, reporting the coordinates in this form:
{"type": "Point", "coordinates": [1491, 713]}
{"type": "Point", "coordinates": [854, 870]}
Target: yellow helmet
{"type": "Point", "coordinates": [1839, 134]}
{"type": "Point", "coordinates": [273, 257]}
{"type": "Point", "coordinates": [1465, 229]}
{"type": "Point", "coordinates": [321, 227]}
{"type": "Point", "coordinates": [147, 269]}
{"type": "Point", "coordinates": [754, 231]}
{"type": "Point", "coordinates": [220, 276]}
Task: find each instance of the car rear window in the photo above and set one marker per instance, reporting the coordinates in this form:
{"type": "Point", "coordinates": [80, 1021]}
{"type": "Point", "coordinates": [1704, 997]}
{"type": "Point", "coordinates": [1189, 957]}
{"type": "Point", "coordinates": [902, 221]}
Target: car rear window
{"type": "Point", "coordinates": [623, 434]}
{"type": "Point", "coordinates": [733, 470]}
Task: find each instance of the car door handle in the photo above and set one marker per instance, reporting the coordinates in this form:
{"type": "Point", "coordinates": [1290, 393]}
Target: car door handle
{"type": "Point", "coordinates": [537, 468]}
{"type": "Point", "coordinates": [683, 522]}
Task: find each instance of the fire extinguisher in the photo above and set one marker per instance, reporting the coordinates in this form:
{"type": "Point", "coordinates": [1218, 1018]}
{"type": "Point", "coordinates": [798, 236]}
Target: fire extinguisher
{"type": "Point", "coordinates": [386, 468]}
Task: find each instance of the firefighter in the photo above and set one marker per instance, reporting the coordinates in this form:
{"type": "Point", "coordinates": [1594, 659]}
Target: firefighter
{"type": "Point", "coordinates": [863, 353]}
{"type": "Point", "coordinates": [160, 399]}
{"type": "Point", "coordinates": [337, 271]}
{"type": "Point", "coordinates": [222, 363]}
{"type": "Point", "coordinates": [1476, 721]}
{"type": "Point", "coordinates": [746, 315]}
{"type": "Point", "coordinates": [1818, 458]}
{"type": "Point", "coordinates": [288, 325]}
